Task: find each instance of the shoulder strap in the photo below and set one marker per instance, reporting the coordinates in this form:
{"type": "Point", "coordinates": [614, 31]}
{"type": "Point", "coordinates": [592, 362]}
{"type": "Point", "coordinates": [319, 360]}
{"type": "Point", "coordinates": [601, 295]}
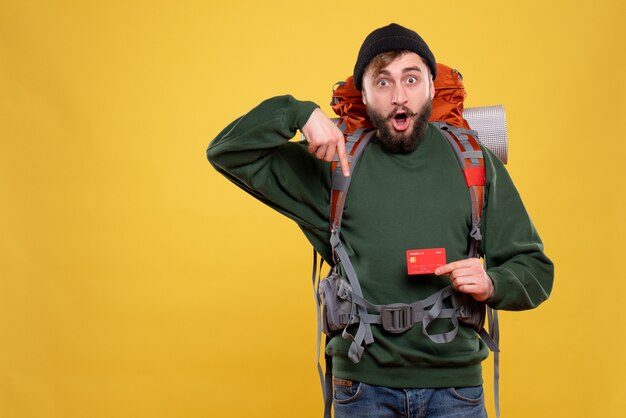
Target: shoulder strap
{"type": "Point", "coordinates": [355, 144]}
{"type": "Point", "coordinates": [467, 149]}
{"type": "Point", "coordinates": [465, 144]}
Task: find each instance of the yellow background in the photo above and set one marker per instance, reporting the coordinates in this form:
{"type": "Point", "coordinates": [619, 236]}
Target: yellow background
{"type": "Point", "coordinates": [137, 282]}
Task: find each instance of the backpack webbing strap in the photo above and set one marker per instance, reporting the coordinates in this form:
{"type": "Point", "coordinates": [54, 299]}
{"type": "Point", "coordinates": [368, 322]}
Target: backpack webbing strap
{"type": "Point", "coordinates": [486, 336]}
{"type": "Point", "coordinates": [400, 317]}
{"type": "Point", "coordinates": [328, 385]}
{"type": "Point", "coordinates": [495, 334]}
{"type": "Point", "coordinates": [355, 144]}
{"type": "Point", "coordinates": [326, 380]}
{"type": "Point", "coordinates": [470, 156]}
{"type": "Point", "coordinates": [364, 332]}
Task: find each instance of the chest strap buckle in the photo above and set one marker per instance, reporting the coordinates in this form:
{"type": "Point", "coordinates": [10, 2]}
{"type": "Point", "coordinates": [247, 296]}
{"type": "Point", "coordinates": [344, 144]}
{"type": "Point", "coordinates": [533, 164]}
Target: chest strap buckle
{"type": "Point", "coordinates": [397, 318]}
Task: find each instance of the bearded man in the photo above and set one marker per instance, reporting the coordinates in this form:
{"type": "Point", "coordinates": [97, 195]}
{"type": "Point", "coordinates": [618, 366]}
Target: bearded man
{"type": "Point", "coordinates": [406, 193]}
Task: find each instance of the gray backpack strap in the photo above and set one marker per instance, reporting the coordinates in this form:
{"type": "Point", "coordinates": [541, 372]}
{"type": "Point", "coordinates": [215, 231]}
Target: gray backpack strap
{"type": "Point", "coordinates": [355, 144]}
{"type": "Point", "coordinates": [328, 386]}
{"type": "Point", "coordinates": [496, 356]}
{"type": "Point", "coordinates": [471, 159]}
{"type": "Point", "coordinates": [494, 334]}
{"type": "Point", "coordinates": [397, 318]}
{"type": "Point", "coordinates": [364, 332]}
{"type": "Point", "coordinates": [466, 151]}
{"type": "Point", "coordinates": [318, 303]}
{"type": "Point", "coordinates": [325, 377]}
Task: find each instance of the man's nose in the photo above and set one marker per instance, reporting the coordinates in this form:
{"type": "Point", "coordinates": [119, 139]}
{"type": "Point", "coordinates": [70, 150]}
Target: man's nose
{"type": "Point", "coordinates": [399, 97]}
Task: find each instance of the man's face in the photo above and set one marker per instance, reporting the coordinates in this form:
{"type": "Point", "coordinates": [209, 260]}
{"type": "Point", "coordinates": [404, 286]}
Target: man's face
{"type": "Point", "coordinates": [398, 99]}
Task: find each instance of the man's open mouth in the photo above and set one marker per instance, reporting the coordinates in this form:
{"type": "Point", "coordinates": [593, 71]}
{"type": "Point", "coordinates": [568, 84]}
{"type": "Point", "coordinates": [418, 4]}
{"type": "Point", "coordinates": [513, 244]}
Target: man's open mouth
{"type": "Point", "coordinates": [400, 121]}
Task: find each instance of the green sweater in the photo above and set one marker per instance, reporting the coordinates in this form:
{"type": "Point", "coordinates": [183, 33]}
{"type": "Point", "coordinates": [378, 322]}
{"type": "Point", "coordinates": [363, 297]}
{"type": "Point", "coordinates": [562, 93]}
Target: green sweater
{"type": "Point", "coordinates": [396, 202]}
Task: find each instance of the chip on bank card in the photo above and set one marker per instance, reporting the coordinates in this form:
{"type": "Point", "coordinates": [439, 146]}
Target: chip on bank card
{"type": "Point", "coordinates": [425, 261]}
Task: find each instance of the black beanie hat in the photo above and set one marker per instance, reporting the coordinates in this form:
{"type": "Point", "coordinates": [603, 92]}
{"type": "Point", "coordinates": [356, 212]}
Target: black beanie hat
{"type": "Point", "coordinates": [391, 38]}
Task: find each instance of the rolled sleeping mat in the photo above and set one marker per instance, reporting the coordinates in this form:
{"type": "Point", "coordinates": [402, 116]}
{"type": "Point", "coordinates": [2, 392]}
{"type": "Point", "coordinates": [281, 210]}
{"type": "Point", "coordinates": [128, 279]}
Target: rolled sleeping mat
{"type": "Point", "coordinates": [490, 123]}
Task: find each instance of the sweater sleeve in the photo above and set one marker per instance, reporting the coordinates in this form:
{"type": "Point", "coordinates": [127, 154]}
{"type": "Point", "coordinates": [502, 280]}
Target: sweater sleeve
{"type": "Point", "coordinates": [521, 272]}
{"type": "Point", "coordinates": [255, 153]}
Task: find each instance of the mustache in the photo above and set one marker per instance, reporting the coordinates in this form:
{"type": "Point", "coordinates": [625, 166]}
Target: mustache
{"type": "Point", "coordinates": [409, 112]}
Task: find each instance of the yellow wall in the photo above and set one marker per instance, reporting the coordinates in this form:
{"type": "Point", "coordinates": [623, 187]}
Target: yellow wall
{"type": "Point", "coordinates": [137, 282]}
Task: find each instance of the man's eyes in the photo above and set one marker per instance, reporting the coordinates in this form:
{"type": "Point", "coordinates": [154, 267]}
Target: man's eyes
{"type": "Point", "coordinates": [409, 80]}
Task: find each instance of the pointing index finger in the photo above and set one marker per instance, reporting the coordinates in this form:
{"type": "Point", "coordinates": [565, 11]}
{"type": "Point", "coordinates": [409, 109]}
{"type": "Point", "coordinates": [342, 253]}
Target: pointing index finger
{"type": "Point", "coordinates": [343, 157]}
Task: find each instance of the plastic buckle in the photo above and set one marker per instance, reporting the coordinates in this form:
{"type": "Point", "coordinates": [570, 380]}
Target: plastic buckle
{"type": "Point", "coordinates": [397, 318]}
{"type": "Point", "coordinates": [344, 291]}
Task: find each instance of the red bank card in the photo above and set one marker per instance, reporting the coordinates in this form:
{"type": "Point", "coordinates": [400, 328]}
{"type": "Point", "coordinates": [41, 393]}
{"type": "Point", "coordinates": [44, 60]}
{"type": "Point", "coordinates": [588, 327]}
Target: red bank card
{"type": "Point", "coordinates": [425, 261]}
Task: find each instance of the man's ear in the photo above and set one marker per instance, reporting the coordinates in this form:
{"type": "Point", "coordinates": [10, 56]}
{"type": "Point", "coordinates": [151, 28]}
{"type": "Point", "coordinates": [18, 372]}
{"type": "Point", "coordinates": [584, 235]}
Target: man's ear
{"type": "Point", "coordinates": [363, 96]}
{"type": "Point", "coordinates": [432, 88]}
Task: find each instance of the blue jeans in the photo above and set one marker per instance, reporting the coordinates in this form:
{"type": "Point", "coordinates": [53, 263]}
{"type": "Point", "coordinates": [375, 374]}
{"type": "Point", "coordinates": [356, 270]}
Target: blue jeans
{"type": "Point", "coordinates": [356, 399]}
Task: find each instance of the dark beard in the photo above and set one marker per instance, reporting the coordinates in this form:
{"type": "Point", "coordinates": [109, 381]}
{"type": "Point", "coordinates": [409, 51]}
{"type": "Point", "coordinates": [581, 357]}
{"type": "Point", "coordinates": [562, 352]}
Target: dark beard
{"type": "Point", "coordinates": [401, 143]}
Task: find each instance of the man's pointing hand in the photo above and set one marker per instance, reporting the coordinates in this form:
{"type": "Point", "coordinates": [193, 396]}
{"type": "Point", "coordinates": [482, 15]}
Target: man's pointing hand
{"type": "Point", "coordinates": [325, 140]}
